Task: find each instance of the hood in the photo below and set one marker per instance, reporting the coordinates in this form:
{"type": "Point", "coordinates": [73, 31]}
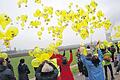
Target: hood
{"type": "Point", "coordinates": [2, 68]}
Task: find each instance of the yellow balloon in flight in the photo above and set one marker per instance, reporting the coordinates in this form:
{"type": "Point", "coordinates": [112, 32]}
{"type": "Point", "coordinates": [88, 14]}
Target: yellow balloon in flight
{"type": "Point", "coordinates": [12, 31]}
{"type": "Point", "coordinates": [4, 20]}
{"type": "Point", "coordinates": [37, 13]}
{"type": "Point", "coordinates": [35, 24]}
{"type": "Point", "coordinates": [38, 1]}
{"type": "Point", "coordinates": [2, 35]}
{"type": "Point", "coordinates": [20, 2]}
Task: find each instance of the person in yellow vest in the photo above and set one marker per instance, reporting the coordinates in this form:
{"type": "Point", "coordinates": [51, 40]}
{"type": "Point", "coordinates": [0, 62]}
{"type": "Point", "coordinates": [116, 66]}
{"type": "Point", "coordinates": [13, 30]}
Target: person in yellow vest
{"type": "Point", "coordinates": [107, 63]}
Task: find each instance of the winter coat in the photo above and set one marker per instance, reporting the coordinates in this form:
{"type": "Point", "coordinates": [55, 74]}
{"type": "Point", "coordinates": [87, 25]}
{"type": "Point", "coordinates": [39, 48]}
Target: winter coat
{"type": "Point", "coordinates": [6, 74]}
{"type": "Point", "coordinates": [94, 73]}
{"type": "Point", "coordinates": [52, 75]}
{"type": "Point", "coordinates": [9, 66]}
{"type": "Point", "coordinates": [81, 66]}
{"type": "Point", "coordinates": [65, 73]}
{"type": "Point", "coordinates": [23, 72]}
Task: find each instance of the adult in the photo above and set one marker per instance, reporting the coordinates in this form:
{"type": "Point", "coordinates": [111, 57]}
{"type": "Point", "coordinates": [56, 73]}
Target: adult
{"type": "Point", "coordinates": [112, 50]}
{"type": "Point", "coordinates": [81, 67]}
{"type": "Point", "coordinates": [47, 71]}
{"type": "Point", "coordinates": [23, 70]}
{"type": "Point", "coordinates": [9, 65]}
{"type": "Point", "coordinates": [107, 60]}
{"type": "Point", "coordinates": [93, 65]}
{"type": "Point", "coordinates": [5, 73]}
{"type": "Point", "coordinates": [65, 71]}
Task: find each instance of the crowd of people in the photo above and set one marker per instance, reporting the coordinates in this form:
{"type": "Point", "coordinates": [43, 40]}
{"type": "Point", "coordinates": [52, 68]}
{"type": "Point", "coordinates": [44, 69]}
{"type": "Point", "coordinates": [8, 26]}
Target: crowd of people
{"type": "Point", "coordinates": [92, 65]}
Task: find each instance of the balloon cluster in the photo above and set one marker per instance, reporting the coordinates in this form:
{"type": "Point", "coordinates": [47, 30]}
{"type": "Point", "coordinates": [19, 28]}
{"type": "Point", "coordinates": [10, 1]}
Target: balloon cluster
{"type": "Point", "coordinates": [8, 33]}
{"type": "Point", "coordinates": [46, 13]}
{"type": "Point", "coordinates": [22, 19]}
{"type": "Point", "coordinates": [25, 2]}
{"type": "Point", "coordinates": [105, 44]}
{"type": "Point", "coordinates": [22, 2]}
{"type": "Point", "coordinates": [41, 55]}
{"type": "Point", "coordinates": [84, 21]}
{"type": "Point", "coordinates": [57, 31]}
{"type": "Point", "coordinates": [117, 34]}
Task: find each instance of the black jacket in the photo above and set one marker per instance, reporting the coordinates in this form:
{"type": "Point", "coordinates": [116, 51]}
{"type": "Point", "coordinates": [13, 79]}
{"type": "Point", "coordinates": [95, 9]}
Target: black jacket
{"type": "Point", "coordinates": [23, 71]}
{"type": "Point", "coordinates": [47, 75]}
{"type": "Point", "coordinates": [5, 73]}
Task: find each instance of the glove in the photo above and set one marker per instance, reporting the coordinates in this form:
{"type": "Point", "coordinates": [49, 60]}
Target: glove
{"type": "Point", "coordinates": [64, 53]}
{"type": "Point", "coordinates": [70, 50]}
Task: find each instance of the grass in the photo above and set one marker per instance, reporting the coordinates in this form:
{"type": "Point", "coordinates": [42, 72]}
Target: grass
{"type": "Point", "coordinates": [15, 62]}
{"type": "Point", "coordinates": [75, 70]}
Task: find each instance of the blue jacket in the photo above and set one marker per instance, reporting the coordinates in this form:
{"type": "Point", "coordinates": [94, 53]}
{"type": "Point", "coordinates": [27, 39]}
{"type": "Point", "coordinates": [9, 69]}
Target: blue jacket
{"type": "Point", "coordinates": [94, 73]}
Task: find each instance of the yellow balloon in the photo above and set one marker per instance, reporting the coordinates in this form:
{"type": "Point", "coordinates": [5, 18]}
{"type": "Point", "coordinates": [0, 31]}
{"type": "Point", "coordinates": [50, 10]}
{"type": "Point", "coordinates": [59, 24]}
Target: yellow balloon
{"type": "Point", "coordinates": [119, 44]}
{"type": "Point", "coordinates": [42, 28]}
{"type": "Point", "coordinates": [4, 20]}
{"type": "Point", "coordinates": [31, 53]}
{"type": "Point", "coordinates": [36, 62]}
{"type": "Point", "coordinates": [12, 31]}
{"type": "Point", "coordinates": [105, 42]}
{"type": "Point", "coordinates": [45, 56]}
{"type": "Point", "coordinates": [37, 13]}
{"type": "Point", "coordinates": [20, 2]}
{"type": "Point", "coordinates": [35, 24]}
{"type": "Point", "coordinates": [85, 52]}
{"type": "Point", "coordinates": [58, 43]}
{"type": "Point", "coordinates": [38, 1]}
{"type": "Point", "coordinates": [50, 53]}
{"type": "Point", "coordinates": [102, 46]}
{"type": "Point", "coordinates": [4, 55]}
{"type": "Point", "coordinates": [2, 35]}
{"type": "Point", "coordinates": [39, 33]}
{"type": "Point", "coordinates": [23, 18]}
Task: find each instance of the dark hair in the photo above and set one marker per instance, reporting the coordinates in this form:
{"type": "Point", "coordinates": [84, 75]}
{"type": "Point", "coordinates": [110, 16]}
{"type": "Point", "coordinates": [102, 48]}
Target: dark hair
{"type": "Point", "coordinates": [64, 60]}
{"type": "Point", "coordinates": [88, 47]}
{"type": "Point", "coordinates": [22, 60]}
{"type": "Point", "coordinates": [1, 61]}
{"type": "Point", "coordinates": [95, 61]}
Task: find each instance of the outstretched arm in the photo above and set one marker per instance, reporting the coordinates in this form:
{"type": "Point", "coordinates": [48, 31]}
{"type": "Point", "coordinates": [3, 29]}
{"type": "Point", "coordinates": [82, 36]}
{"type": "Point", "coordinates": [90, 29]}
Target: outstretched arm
{"type": "Point", "coordinates": [100, 55]}
{"type": "Point", "coordinates": [56, 56]}
{"type": "Point", "coordinates": [82, 57]}
{"type": "Point", "coordinates": [64, 53]}
{"type": "Point", "coordinates": [71, 57]}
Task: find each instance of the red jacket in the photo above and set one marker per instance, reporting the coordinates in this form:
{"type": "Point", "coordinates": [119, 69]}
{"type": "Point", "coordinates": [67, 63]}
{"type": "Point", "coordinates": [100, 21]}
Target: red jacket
{"type": "Point", "coordinates": [58, 56]}
{"type": "Point", "coordinates": [66, 73]}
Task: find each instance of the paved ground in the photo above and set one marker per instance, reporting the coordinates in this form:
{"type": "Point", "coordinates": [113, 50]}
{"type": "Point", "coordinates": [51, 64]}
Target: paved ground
{"type": "Point", "coordinates": [81, 77]}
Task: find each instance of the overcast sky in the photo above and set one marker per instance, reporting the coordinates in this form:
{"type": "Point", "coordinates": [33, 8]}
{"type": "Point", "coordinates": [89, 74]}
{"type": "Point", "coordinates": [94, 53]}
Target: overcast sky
{"type": "Point", "coordinates": [28, 39]}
